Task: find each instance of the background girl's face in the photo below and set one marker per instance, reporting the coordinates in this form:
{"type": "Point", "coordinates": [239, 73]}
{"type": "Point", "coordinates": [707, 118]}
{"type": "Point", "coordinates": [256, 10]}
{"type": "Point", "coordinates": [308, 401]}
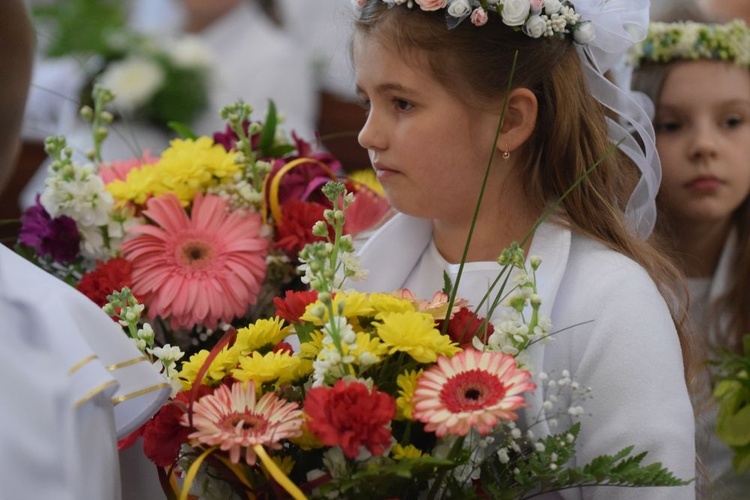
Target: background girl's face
{"type": "Point", "coordinates": [428, 148]}
{"type": "Point", "coordinates": [703, 137]}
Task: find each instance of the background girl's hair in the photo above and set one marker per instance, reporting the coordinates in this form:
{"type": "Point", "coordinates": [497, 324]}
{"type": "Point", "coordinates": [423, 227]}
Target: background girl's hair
{"type": "Point", "coordinates": [571, 131]}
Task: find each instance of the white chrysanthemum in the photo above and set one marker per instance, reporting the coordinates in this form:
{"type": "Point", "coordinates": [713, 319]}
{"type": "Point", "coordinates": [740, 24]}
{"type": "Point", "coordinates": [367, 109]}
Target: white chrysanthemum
{"type": "Point", "coordinates": [134, 81]}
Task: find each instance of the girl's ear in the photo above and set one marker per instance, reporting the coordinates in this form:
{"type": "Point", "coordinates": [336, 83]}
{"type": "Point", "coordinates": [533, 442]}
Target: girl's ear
{"type": "Point", "coordinates": [520, 120]}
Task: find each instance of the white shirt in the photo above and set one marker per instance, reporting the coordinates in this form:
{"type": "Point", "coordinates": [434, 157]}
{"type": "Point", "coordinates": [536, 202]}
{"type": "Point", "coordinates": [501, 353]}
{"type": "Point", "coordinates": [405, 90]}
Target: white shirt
{"type": "Point", "coordinates": [72, 385]}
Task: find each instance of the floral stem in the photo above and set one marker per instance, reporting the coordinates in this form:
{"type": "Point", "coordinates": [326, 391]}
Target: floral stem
{"type": "Point", "coordinates": [278, 475]}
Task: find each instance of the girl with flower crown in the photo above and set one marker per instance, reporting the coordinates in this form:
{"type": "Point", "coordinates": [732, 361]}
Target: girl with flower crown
{"type": "Point", "coordinates": [701, 90]}
{"type": "Point", "coordinates": [434, 77]}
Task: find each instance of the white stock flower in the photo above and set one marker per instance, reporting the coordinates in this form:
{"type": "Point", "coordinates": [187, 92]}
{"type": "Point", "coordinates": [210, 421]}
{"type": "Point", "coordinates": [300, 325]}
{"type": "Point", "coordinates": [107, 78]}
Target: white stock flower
{"type": "Point", "coordinates": [515, 12]}
{"type": "Point", "coordinates": [134, 81]}
{"type": "Point", "coordinates": [535, 27]}
{"type": "Point", "coordinates": [584, 33]}
{"type": "Point", "coordinates": [459, 8]}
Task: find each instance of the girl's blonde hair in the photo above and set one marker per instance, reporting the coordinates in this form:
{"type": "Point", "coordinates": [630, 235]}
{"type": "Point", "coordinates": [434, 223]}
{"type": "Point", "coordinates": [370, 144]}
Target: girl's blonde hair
{"type": "Point", "coordinates": [570, 135]}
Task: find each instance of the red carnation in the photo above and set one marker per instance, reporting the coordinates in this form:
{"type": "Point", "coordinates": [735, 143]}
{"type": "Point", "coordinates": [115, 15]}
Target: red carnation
{"type": "Point", "coordinates": [293, 305]}
{"type": "Point", "coordinates": [349, 415]}
{"type": "Point", "coordinates": [465, 325]}
{"type": "Point", "coordinates": [295, 229]}
{"type": "Point", "coordinates": [108, 277]}
{"type": "Point", "coordinates": [163, 435]}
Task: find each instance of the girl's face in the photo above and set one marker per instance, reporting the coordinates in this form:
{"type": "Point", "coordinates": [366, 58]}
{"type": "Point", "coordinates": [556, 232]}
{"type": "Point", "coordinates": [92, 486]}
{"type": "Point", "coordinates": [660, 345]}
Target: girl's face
{"type": "Point", "coordinates": [703, 137]}
{"type": "Point", "coordinates": [429, 149]}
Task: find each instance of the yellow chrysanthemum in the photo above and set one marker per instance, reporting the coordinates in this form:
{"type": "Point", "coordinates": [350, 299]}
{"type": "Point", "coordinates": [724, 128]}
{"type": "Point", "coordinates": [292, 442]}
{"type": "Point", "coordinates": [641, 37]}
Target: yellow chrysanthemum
{"type": "Point", "coordinates": [367, 177]}
{"type": "Point", "coordinates": [278, 367]}
{"type": "Point", "coordinates": [355, 304]}
{"type": "Point", "coordinates": [137, 187]}
{"type": "Point", "coordinates": [407, 383]}
{"type": "Point", "coordinates": [399, 452]}
{"type": "Point", "coordinates": [367, 346]}
{"type": "Point", "coordinates": [186, 168]}
{"type": "Point", "coordinates": [415, 334]}
{"type": "Point", "coordinates": [387, 302]}
{"type": "Point", "coordinates": [262, 333]}
{"type": "Point", "coordinates": [308, 352]}
{"type": "Point", "coordinates": [220, 366]}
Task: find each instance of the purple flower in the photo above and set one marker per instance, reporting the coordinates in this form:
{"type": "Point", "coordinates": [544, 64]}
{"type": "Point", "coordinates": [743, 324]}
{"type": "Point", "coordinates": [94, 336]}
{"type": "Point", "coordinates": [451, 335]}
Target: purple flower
{"type": "Point", "coordinates": [57, 238]}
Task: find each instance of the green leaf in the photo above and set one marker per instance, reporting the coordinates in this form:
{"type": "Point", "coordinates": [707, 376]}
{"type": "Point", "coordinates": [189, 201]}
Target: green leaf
{"type": "Point", "coordinates": [79, 26]}
{"type": "Point", "coordinates": [734, 428]}
{"type": "Point", "coordinates": [182, 130]}
{"type": "Point", "coordinates": [268, 134]}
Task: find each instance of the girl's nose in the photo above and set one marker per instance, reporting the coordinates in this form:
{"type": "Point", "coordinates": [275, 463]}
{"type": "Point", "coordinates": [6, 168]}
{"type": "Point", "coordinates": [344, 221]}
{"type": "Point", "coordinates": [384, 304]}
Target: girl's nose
{"type": "Point", "coordinates": [704, 143]}
{"type": "Point", "coordinates": [372, 136]}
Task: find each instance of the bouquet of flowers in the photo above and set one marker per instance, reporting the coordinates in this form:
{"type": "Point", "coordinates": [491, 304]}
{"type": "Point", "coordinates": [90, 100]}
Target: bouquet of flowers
{"type": "Point", "coordinates": [345, 395]}
{"type": "Point", "coordinates": [732, 392]}
{"type": "Point", "coordinates": [205, 235]}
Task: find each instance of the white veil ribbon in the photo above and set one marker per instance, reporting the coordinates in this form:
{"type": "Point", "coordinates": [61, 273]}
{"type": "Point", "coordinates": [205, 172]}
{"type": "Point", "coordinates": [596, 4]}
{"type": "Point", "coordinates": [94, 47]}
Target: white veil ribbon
{"type": "Point", "coordinates": [619, 24]}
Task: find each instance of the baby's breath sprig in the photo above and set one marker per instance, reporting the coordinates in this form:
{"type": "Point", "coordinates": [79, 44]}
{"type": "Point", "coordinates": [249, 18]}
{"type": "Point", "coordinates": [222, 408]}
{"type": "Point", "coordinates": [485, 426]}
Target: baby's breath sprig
{"type": "Point", "coordinates": [99, 119]}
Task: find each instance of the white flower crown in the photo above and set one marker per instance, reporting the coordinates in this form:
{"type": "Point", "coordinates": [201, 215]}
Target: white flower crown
{"type": "Point", "coordinates": [535, 18]}
{"type": "Point", "coordinates": [689, 41]}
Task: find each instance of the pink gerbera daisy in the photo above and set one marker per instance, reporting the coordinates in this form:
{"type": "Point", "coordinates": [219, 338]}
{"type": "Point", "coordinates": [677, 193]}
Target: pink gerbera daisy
{"type": "Point", "coordinates": [197, 269]}
{"type": "Point", "coordinates": [232, 419]}
{"type": "Point", "coordinates": [473, 389]}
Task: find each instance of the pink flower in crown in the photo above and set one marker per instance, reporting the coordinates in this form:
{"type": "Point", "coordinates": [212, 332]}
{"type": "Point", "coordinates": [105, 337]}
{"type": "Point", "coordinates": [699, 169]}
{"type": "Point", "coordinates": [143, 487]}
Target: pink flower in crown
{"type": "Point", "coordinates": [200, 268]}
{"type": "Point", "coordinates": [536, 5]}
{"type": "Point", "coordinates": [479, 17]}
{"type": "Point", "coordinates": [432, 4]}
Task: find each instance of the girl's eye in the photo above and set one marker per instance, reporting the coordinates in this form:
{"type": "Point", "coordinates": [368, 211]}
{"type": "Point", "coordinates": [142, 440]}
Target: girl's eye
{"type": "Point", "coordinates": [733, 122]}
{"type": "Point", "coordinates": [365, 104]}
{"type": "Point", "coordinates": [667, 126]}
{"type": "Point", "coordinates": [402, 105]}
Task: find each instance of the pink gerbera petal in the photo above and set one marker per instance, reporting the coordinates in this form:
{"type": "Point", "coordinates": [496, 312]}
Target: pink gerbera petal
{"type": "Point", "coordinates": [473, 389]}
{"type": "Point", "coordinates": [199, 269]}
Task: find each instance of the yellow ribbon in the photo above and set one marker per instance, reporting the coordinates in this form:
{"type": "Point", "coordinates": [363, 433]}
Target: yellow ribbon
{"type": "Point", "coordinates": [278, 474]}
{"type": "Point", "coordinates": [273, 194]}
{"type": "Point", "coordinates": [193, 471]}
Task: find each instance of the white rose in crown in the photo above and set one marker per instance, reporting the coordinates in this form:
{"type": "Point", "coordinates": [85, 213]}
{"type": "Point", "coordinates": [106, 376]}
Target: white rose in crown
{"type": "Point", "coordinates": [552, 7]}
{"type": "Point", "coordinates": [459, 8]}
{"type": "Point", "coordinates": [535, 27]}
{"type": "Point", "coordinates": [584, 33]}
{"type": "Point", "coordinates": [515, 12]}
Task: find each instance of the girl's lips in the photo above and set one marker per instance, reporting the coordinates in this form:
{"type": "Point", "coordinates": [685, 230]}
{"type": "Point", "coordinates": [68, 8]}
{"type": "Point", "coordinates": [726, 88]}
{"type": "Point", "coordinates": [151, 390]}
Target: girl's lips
{"type": "Point", "coordinates": [704, 184]}
{"type": "Point", "coordinates": [382, 171]}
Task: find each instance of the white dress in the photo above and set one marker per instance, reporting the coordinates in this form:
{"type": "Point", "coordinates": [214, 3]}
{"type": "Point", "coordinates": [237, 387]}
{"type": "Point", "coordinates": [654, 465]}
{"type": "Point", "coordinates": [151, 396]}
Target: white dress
{"type": "Point", "coordinates": [621, 341]}
{"type": "Point", "coordinates": [72, 385]}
